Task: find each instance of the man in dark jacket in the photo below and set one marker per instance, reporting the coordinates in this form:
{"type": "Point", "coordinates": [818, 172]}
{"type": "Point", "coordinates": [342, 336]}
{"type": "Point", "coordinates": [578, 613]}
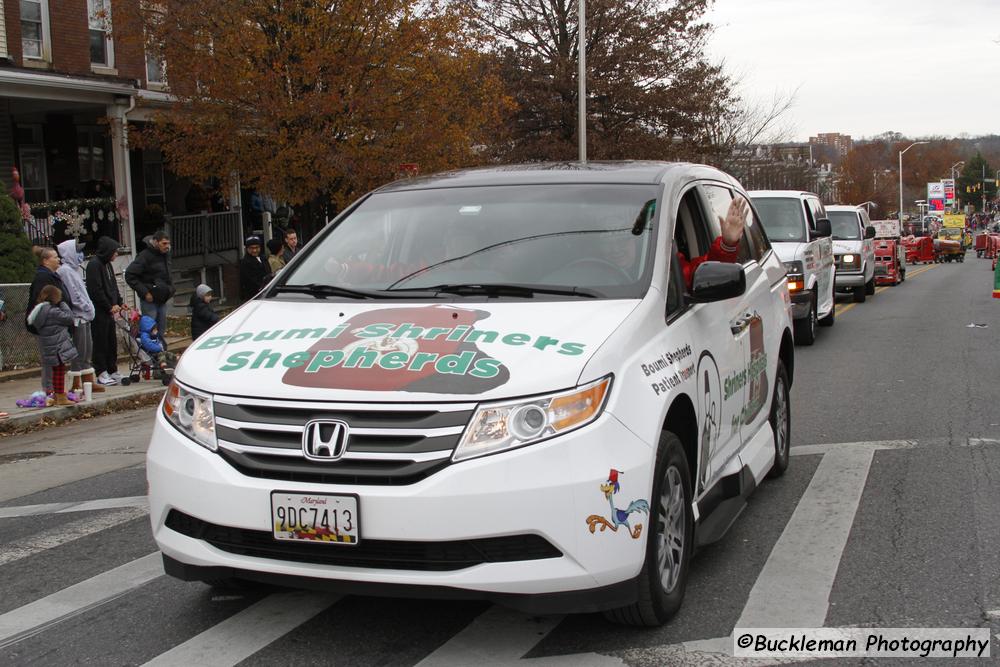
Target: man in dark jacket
{"type": "Point", "coordinates": [291, 245]}
{"type": "Point", "coordinates": [149, 275]}
{"type": "Point", "coordinates": [102, 287]}
{"type": "Point", "coordinates": [45, 275]}
{"type": "Point", "coordinates": [254, 271]}
{"type": "Point", "coordinates": [203, 316]}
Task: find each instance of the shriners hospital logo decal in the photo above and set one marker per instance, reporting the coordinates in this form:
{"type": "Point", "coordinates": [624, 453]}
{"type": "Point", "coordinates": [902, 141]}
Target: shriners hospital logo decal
{"type": "Point", "coordinates": [618, 517]}
{"type": "Point", "coordinates": [431, 349]}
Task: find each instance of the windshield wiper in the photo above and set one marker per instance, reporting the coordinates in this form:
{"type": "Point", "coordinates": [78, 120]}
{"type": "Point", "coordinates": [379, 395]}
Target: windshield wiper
{"type": "Point", "coordinates": [321, 291]}
{"type": "Point", "coordinates": [502, 289]}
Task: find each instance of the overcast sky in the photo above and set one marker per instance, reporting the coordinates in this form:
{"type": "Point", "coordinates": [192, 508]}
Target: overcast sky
{"type": "Point", "coordinates": [863, 67]}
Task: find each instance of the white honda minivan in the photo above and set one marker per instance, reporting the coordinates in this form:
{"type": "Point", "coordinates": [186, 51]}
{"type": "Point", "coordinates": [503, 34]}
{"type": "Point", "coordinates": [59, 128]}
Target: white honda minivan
{"type": "Point", "coordinates": [520, 384]}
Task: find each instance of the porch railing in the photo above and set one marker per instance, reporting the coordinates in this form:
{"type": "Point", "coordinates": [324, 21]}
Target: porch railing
{"type": "Point", "coordinates": [86, 219]}
{"type": "Point", "coordinates": [204, 233]}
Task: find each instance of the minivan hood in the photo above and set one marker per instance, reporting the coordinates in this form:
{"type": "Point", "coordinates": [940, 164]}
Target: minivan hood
{"type": "Point", "coordinates": [414, 352]}
{"type": "Point", "coordinates": [789, 251]}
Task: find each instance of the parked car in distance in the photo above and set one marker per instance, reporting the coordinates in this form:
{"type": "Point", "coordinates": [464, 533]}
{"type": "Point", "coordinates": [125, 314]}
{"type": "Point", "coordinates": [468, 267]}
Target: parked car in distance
{"type": "Point", "coordinates": [797, 225]}
{"type": "Point", "coordinates": [853, 250]}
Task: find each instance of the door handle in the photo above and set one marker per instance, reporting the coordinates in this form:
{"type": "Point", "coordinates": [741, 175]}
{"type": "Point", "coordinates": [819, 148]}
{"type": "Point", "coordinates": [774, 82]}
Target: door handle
{"type": "Point", "coordinates": [738, 325]}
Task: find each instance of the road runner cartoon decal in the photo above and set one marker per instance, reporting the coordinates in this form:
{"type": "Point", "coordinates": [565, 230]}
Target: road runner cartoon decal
{"type": "Point", "coordinates": [618, 517]}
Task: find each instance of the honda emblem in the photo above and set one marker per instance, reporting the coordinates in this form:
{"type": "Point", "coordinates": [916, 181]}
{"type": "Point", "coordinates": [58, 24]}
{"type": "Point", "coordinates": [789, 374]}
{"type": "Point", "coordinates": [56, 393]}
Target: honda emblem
{"type": "Point", "coordinates": [325, 440]}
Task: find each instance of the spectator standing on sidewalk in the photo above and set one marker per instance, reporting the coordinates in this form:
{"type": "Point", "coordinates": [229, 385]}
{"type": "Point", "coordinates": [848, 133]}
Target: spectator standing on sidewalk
{"type": "Point", "coordinates": [3, 318]}
{"type": "Point", "coordinates": [275, 262]}
{"type": "Point", "coordinates": [254, 271]}
{"type": "Point", "coordinates": [46, 275]}
{"type": "Point", "coordinates": [149, 275]}
{"type": "Point", "coordinates": [291, 245]}
{"type": "Point", "coordinates": [52, 318]}
{"type": "Point", "coordinates": [203, 316]}
{"type": "Point", "coordinates": [102, 288]}
{"type": "Point", "coordinates": [81, 370]}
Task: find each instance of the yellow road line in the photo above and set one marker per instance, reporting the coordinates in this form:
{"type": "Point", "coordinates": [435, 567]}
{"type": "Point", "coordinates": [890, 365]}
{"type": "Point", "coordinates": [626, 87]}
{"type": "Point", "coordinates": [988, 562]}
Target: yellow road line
{"type": "Point", "coordinates": [843, 308]}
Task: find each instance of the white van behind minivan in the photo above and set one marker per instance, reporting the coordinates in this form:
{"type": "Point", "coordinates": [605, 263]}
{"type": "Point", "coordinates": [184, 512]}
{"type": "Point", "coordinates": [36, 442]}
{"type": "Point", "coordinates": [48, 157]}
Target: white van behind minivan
{"type": "Point", "coordinates": [531, 385]}
{"type": "Point", "coordinates": [799, 229]}
{"type": "Point", "coordinates": [853, 250]}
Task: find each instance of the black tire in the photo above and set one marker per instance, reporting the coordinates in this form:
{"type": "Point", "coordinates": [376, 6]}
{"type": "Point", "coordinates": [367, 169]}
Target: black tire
{"type": "Point", "coordinates": [805, 329]}
{"type": "Point", "coordinates": [831, 317]}
{"type": "Point", "coordinates": [902, 274]}
{"type": "Point", "coordinates": [780, 417]}
{"type": "Point", "coordinates": [658, 600]}
{"type": "Point", "coordinates": [859, 294]}
{"type": "Point", "coordinates": [870, 287]}
{"type": "Point", "coordinates": [126, 381]}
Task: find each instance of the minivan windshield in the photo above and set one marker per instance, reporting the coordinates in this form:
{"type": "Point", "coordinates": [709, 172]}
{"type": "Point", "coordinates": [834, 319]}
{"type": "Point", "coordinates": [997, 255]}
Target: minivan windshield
{"type": "Point", "coordinates": [845, 225]}
{"type": "Point", "coordinates": [782, 218]}
{"type": "Point", "coordinates": [549, 241]}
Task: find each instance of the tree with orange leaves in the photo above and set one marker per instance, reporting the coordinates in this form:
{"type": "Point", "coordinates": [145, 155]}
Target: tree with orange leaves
{"type": "Point", "coordinates": [310, 99]}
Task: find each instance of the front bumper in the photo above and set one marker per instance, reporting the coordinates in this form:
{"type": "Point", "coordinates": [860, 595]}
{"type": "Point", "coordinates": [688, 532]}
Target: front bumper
{"type": "Point", "coordinates": [849, 280]}
{"type": "Point", "coordinates": [548, 489]}
{"type": "Point", "coordinates": [801, 303]}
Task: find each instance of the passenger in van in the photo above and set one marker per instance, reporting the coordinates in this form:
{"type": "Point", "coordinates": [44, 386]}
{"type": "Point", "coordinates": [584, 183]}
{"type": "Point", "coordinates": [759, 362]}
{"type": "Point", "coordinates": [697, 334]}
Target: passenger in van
{"type": "Point", "coordinates": [725, 248]}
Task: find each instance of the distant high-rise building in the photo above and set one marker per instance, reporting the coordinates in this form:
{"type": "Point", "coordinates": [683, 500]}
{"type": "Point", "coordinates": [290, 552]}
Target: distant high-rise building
{"type": "Point", "coordinates": [842, 143]}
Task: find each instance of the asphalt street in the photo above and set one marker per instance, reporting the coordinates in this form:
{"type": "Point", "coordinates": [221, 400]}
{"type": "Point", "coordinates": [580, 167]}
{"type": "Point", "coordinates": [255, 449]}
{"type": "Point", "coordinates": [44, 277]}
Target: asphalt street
{"type": "Point", "coordinates": [896, 433]}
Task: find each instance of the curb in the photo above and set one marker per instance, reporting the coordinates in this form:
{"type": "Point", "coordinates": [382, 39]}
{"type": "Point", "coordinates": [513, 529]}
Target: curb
{"type": "Point", "coordinates": [41, 417]}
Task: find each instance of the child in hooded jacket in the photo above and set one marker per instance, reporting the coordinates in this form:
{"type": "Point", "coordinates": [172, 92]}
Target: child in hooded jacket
{"type": "Point", "coordinates": [52, 319]}
{"type": "Point", "coordinates": [149, 341]}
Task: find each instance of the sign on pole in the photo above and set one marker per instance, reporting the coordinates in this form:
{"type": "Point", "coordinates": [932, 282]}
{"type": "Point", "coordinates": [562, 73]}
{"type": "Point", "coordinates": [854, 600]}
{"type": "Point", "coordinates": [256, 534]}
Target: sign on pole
{"type": "Point", "coordinates": [954, 220]}
{"type": "Point", "coordinates": [949, 190]}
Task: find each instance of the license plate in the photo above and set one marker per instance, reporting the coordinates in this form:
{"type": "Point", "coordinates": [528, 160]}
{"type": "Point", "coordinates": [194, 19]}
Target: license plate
{"type": "Point", "coordinates": [317, 518]}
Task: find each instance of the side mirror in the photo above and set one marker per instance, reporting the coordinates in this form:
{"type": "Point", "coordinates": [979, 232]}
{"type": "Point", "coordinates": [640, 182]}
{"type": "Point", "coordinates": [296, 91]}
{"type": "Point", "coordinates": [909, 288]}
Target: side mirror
{"type": "Point", "coordinates": [823, 229]}
{"type": "Point", "coordinates": [869, 232]}
{"type": "Point", "coordinates": [717, 281]}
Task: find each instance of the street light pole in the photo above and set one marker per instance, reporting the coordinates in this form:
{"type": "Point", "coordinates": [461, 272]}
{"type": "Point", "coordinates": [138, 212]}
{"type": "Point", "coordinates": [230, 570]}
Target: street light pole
{"type": "Point", "coordinates": [582, 76]}
{"type": "Point", "coordinates": [901, 179]}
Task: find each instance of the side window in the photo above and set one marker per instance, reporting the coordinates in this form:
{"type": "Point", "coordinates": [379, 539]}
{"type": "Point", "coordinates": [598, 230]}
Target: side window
{"type": "Point", "coordinates": [817, 209]}
{"type": "Point", "coordinates": [719, 198]}
{"type": "Point", "coordinates": [755, 232]}
{"type": "Point", "coordinates": [810, 219]}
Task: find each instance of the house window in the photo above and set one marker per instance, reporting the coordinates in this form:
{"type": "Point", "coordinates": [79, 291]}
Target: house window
{"type": "Point", "coordinates": [152, 177]}
{"type": "Point", "coordinates": [99, 23]}
{"type": "Point", "coordinates": [154, 70]}
{"type": "Point", "coordinates": [35, 29]}
{"type": "Point", "coordinates": [91, 145]}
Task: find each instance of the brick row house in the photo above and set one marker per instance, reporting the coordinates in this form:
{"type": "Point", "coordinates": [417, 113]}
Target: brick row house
{"type": "Point", "coordinates": [68, 93]}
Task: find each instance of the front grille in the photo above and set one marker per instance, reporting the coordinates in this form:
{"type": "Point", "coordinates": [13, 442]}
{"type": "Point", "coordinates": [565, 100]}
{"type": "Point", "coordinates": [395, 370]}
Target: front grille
{"type": "Point", "coordinates": [379, 554]}
{"type": "Point", "coordinates": [389, 444]}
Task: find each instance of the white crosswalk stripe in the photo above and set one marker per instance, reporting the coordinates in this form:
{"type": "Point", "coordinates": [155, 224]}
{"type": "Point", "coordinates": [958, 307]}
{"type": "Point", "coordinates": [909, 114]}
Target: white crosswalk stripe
{"type": "Point", "coordinates": [241, 635]}
{"type": "Point", "coordinates": [67, 533]}
{"type": "Point", "coordinates": [77, 506]}
{"type": "Point", "coordinates": [39, 615]}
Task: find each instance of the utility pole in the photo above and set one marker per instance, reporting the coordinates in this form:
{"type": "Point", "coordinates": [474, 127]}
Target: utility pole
{"type": "Point", "coordinates": [582, 75]}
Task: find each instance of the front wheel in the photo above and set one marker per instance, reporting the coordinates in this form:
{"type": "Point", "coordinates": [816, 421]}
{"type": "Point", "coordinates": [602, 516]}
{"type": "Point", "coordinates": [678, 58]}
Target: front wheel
{"type": "Point", "coordinates": [859, 294]}
{"type": "Point", "coordinates": [870, 287]}
{"type": "Point", "coordinates": [805, 329]}
{"type": "Point", "coordinates": [781, 422]}
{"type": "Point", "coordinates": [664, 573]}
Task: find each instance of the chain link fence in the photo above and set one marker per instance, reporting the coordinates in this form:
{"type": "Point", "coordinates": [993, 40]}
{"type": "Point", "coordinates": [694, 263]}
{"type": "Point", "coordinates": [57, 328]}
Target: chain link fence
{"type": "Point", "coordinates": [18, 348]}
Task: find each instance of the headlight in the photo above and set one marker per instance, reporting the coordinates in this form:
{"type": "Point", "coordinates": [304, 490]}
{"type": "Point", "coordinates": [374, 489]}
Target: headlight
{"type": "Point", "coordinates": [794, 271]}
{"type": "Point", "coordinates": [848, 259]}
{"type": "Point", "coordinates": [496, 427]}
{"type": "Point", "coordinates": [191, 413]}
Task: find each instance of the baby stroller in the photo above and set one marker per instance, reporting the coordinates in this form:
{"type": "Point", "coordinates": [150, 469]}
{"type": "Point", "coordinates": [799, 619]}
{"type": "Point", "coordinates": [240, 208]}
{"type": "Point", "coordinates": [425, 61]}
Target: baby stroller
{"type": "Point", "coordinates": [141, 365]}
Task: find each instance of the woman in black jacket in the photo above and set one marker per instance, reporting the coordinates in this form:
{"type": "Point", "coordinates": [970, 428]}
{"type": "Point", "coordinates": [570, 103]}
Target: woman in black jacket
{"type": "Point", "coordinates": [102, 288]}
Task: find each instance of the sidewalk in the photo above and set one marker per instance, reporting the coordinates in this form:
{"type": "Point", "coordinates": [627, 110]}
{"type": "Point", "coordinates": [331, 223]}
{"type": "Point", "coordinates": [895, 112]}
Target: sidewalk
{"type": "Point", "coordinates": [117, 397]}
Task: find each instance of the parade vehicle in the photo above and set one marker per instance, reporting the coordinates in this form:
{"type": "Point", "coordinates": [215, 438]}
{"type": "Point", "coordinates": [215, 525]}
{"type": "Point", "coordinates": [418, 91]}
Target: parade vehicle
{"type": "Point", "coordinates": [519, 384]}
{"type": "Point", "coordinates": [853, 250]}
{"type": "Point", "coordinates": [981, 244]}
{"type": "Point", "coordinates": [919, 249]}
{"type": "Point", "coordinates": [799, 229]}
{"type": "Point", "coordinates": [949, 245]}
{"type": "Point", "coordinates": [890, 262]}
